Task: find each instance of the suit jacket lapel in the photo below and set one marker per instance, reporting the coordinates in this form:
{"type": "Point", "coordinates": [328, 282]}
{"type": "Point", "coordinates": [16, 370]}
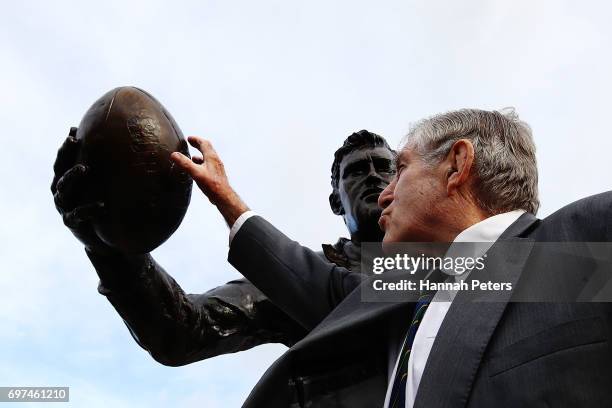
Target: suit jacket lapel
{"type": "Point", "coordinates": [467, 328]}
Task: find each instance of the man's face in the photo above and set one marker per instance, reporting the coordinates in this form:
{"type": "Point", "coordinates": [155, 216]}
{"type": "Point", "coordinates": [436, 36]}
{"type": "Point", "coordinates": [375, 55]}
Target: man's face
{"type": "Point", "coordinates": [412, 202]}
{"type": "Point", "coordinates": [363, 175]}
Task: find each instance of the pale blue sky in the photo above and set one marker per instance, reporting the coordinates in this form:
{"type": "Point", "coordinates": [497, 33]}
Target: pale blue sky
{"type": "Point", "coordinates": [295, 76]}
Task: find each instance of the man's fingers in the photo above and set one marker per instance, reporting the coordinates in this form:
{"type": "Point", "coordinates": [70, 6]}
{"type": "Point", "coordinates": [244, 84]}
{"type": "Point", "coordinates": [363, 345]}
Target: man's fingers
{"type": "Point", "coordinates": [66, 156]}
{"type": "Point", "coordinates": [69, 187]}
{"type": "Point", "coordinates": [197, 142]}
{"type": "Point", "coordinates": [185, 163]}
{"type": "Point", "coordinates": [85, 213]}
{"type": "Point", "coordinates": [197, 159]}
{"type": "Point", "coordinates": [204, 146]}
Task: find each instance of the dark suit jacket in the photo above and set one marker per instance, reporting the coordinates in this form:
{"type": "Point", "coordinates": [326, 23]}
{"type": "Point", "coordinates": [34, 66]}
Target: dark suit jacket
{"type": "Point", "coordinates": [486, 354]}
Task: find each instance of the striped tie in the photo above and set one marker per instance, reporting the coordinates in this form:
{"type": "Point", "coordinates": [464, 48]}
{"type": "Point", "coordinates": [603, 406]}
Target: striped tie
{"type": "Point", "coordinates": [398, 392]}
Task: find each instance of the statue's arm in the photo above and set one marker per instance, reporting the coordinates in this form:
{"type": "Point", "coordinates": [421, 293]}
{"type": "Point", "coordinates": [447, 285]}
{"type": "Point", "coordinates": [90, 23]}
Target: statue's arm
{"type": "Point", "coordinates": [178, 328]}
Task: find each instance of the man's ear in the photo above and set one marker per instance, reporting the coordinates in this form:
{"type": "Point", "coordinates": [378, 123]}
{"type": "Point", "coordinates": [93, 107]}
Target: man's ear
{"type": "Point", "coordinates": [460, 160]}
{"type": "Point", "coordinates": [335, 204]}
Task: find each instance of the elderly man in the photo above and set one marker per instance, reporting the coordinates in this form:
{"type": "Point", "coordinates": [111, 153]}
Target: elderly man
{"type": "Point", "coordinates": [463, 176]}
{"type": "Point", "coordinates": [178, 328]}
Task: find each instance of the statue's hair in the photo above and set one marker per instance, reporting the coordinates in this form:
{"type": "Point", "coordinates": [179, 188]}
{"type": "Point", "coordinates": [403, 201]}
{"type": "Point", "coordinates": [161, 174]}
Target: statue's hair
{"type": "Point", "coordinates": [504, 154]}
{"type": "Point", "coordinates": [358, 140]}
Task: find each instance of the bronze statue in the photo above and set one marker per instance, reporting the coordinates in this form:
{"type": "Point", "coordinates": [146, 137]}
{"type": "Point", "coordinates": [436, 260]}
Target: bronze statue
{"type": "Point", "coordinates": [361, 170]}
{"type": "Point", "coordinates": [178, 328]}
{"type": "Point", "coordinates": [127, 137]}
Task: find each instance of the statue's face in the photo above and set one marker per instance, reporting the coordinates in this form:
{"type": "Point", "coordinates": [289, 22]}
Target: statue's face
{"type": "Point", "coordinates": [364, 174]}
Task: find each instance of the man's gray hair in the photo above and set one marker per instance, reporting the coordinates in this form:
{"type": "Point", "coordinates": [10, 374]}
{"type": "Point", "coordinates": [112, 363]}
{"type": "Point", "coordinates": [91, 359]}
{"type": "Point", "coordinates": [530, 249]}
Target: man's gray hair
{"type": "Point", "coordinates": [504, 154]}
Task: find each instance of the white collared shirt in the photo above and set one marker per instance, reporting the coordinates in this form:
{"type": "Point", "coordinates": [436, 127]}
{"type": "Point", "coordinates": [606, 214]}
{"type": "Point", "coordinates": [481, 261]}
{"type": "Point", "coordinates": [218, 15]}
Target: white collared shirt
{"type": "Point", "coordinates": [486, 231]}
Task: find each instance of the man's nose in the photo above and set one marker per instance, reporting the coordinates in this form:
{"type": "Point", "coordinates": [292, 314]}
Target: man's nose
{"type": "Point", "coordinates": [386, 197]}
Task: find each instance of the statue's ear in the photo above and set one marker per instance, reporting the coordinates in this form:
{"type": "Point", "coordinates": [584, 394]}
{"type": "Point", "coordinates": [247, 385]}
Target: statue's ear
{"type": "Point", "coordinates": [335, 204]}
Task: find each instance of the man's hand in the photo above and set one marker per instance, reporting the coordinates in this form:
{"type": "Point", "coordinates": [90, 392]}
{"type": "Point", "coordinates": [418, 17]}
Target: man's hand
{"type": "Point", "coordinates": [67, 187]}
{"type": "Point", "coordinates": [208, 173]}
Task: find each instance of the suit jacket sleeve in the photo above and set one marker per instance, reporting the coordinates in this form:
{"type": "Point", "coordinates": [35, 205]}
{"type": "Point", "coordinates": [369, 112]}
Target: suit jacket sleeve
{"type": "Point", "coordinates": [178, 328]}
{"type": "Point", "coordinates": [294, 277]}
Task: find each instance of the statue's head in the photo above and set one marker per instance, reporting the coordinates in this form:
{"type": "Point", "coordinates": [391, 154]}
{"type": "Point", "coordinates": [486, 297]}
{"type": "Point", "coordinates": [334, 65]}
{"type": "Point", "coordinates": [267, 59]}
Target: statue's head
{"type": "Point", "coordinates": [362, 168]}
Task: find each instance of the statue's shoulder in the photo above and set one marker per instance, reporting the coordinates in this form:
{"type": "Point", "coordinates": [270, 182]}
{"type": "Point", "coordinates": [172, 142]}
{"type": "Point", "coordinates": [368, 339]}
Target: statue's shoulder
{"type": "Point", "coordinates": [335, 253]}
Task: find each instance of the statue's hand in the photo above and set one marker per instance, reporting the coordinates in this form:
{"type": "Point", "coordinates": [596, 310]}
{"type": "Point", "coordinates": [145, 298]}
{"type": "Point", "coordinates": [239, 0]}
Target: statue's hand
{"type": "Point", "coordinates": [67, 187]}
{"type": "Point", "coordinates": [209, 174]}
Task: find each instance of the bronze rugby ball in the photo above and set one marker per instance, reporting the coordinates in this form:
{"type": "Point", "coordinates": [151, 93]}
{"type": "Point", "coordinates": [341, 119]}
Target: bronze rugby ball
{"type": "Point", "coordinates": [127, 137]}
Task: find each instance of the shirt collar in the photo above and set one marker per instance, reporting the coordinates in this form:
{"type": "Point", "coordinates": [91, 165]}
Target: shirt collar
{"type": "Point", "coordinates": [484, 233]}
{"type": "Point", "coordinates": [489, 229]}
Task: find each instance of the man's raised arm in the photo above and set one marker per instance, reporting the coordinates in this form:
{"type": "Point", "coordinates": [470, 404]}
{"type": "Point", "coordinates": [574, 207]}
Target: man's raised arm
{"type": "Point", "coordinates": [289, 274]}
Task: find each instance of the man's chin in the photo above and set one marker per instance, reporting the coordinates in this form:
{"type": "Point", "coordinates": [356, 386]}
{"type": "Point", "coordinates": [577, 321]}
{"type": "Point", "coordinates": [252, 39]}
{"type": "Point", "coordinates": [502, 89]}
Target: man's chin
{"type": "Point", "coordinates": [387, 242]}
